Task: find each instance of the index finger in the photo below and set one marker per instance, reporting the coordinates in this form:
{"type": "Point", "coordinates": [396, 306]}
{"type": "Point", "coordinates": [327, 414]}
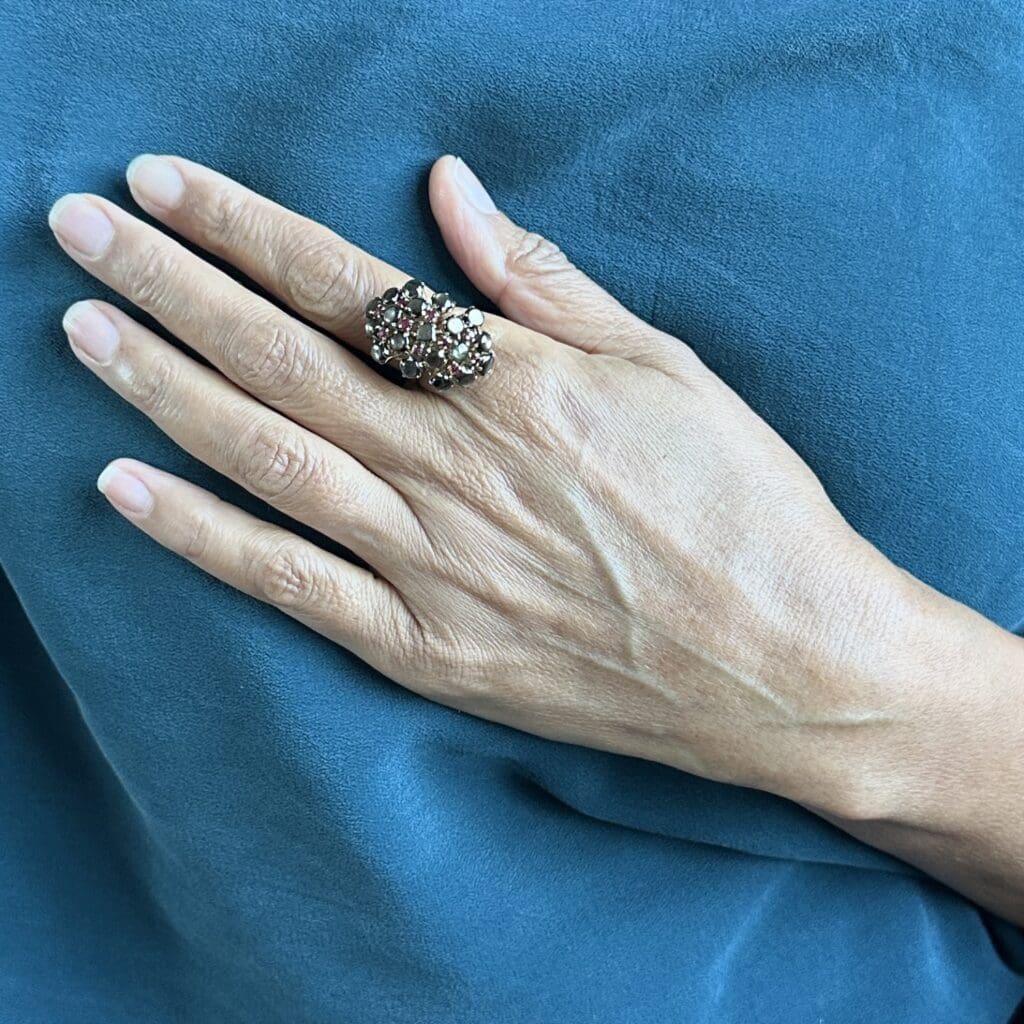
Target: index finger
{"type": "Point", "coordinates": [318, 274]}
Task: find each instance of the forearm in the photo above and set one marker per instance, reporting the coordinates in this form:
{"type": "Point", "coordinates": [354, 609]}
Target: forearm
{"type": "Point", "coordinates": [938, 778]}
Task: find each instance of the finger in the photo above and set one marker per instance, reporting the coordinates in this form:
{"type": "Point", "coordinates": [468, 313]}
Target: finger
{"type": "Point", "coordinates": [275, 357]}
{"type": "Point", "coordinates": [345, 603]}
{"type": "Point", "coordinates": [528, 277]}
{"type": "Point", "coordinates": [321, 276]}
{"type": "Point", "coordinates": [289, 467]}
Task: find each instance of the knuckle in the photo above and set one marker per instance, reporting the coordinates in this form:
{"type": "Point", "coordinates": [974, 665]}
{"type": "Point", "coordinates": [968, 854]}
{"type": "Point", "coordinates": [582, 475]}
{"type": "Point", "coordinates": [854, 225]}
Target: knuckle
{"type": "Point", "coordinates": [198, 532]}
{"type": "Point", "coordinates": [533, 255]}
{"type": "Point", "coordinates": [543, 407]}
{"type": "Point", "coordinates": [319, 278]}
{"type": "Point", "coordinates": [153, 389]}
{"type": "Point", "coordinates": [457, 673]}
{"type": "Point", "coordinates": [272, 359]}
{"type": "Point", "coordinates": [531, 378]}
{"type": "Point", "coordinates": [421, 663]}
{"type": "Point", "coordinates": [442, 653]}
{"type": "Point", "coordinates": [286, 576]}
{"type": "Point", "coordinates": [279, 470]}
{"type": "Point", "coordinates": [220, 216]}
{"type": "Point", "coordinates": [151, 276]}
{"type": "Point", "coordinates": [685, 366]}
{"type": "Point", "coordinates": [391, 634]}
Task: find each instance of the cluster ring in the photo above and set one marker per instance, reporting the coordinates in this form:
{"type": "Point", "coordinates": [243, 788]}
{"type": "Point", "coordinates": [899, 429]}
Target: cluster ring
{"type": "Point", "coordinates": [427, 338]}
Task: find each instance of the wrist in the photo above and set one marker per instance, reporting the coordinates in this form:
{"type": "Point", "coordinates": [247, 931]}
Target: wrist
{"type": "Point", "coordinates": [936, 780]}
{"type": "Point", "coordinates": [930, 716]}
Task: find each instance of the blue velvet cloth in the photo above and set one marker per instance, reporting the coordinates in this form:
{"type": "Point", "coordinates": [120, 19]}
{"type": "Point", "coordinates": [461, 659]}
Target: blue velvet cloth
{"type": "Point", "coordinates": [209, 813]}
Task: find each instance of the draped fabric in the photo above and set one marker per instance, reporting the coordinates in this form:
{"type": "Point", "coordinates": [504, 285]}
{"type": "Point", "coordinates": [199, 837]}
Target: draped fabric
{"type": "Point", "coordinates": [210, 813]}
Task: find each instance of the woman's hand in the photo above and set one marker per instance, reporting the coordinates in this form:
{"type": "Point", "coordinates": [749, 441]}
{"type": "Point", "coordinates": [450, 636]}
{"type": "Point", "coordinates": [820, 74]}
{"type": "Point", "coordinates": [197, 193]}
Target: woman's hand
{"type": "Point", "coordinates": [600, 543]}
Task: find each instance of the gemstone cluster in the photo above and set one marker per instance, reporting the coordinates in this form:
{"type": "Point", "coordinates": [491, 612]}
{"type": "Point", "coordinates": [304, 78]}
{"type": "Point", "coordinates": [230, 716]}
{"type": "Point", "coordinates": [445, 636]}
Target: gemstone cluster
{"type": "Point", "coordinates": [424, 336]}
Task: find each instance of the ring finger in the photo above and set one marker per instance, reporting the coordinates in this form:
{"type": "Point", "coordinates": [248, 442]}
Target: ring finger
{"type": "Point", "coordinates": [289, 467]}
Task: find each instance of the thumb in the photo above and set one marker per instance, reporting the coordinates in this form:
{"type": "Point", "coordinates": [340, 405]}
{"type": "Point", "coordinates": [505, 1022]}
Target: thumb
{"type": "Point", "coordinates": [528, 277]}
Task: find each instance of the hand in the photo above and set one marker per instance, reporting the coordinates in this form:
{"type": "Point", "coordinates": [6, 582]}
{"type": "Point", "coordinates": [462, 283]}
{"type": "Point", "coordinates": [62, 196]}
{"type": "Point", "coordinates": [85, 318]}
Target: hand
{"type": "Point", "coordinates": [599, 543]}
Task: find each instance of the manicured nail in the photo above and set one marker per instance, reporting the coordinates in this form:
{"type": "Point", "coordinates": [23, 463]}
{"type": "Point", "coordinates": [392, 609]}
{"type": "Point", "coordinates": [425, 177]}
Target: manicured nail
{"type": "Point", "coordinates": [91, 333]}
{"type": "Point", "coordinates": [472, 191]}
{"type": "Point", "coordinates": [124, 491]}
{"type": "Point", "coordinates": [81, 225]}
{"type": "Point", "coordinates": [155, 182]}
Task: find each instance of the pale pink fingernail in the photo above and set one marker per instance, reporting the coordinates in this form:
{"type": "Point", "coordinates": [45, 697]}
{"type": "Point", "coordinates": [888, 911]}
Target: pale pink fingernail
{"type": "Point", "coordinates": [125, 491]}
{"type": "Point", "coordinates": [472, 191]}
{"type": "Point", "coordinates": [91, 333]}
{"type": "Point", "coordinates": [81, 225]}
{"type": "Point", "coordinates": [155, 181]}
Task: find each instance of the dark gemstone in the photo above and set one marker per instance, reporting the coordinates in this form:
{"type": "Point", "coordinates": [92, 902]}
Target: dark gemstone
{"type": "Point", "coordinates": [371, 309]}
{"type": "Point", "coordinates": [413, 287]}
{"type": "Point", "coordinates": [390, 314]}
{"type": "Point", "coordinates": [484, 344]}
{"type": "Point", "coordinates": [486, 364]}
{"type": "Point", "coordinates": [399, 342]}
{"type": "Point", "coordinates": [441, 383]}
{"type": "Point", "coordinates": [426, 332]}
{"type": "Point", "coordinates": [389, 295]}
{"type": "Point", "coordinates": [440, 299]}
{"type": "Point", "coordinates": [465, 376]}
{"type": "Point", "coordinates": [378, 353]}
{"type": "Point", "coordinates": [416, 306]}
{"type": "Point", "coordinates": [410, 369]}
{"type": "Point", "coordinates": [435, 359]}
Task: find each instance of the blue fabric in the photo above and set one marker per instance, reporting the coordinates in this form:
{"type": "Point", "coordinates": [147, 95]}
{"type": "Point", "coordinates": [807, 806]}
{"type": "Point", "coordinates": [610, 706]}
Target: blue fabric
{"type": "Point", "coordinates": [209, 813]}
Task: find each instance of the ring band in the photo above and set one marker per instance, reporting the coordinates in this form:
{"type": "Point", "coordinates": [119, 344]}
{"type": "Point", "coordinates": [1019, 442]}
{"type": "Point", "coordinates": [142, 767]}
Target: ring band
{"type": "Point", "coordinates": [425, 337]}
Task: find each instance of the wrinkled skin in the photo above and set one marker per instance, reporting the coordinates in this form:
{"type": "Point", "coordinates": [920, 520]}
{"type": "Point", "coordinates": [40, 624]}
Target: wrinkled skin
{"type": "Point", "coordinates": [600, 542]}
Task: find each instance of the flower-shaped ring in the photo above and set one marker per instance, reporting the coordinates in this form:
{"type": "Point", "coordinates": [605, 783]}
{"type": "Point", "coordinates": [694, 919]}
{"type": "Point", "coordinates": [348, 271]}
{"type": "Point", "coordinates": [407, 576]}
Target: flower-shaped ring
{"type": "Point", "coordinates": [426, 338]}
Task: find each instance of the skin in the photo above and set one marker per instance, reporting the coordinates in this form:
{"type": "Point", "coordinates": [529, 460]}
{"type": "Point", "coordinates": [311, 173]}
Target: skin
{"type": "Point", "coordinates": [600, 543]}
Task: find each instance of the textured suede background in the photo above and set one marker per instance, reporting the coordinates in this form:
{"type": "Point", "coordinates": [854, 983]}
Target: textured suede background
{"type": "Point", "coordinates": [209, 813]}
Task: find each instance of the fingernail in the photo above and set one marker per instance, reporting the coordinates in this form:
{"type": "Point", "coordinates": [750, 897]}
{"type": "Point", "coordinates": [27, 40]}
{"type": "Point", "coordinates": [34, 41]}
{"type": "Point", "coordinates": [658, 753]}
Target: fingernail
{"type": "Point", "coordinates": [472, 191]}
{"type": "Point", "coordinates": [81, 225]}
{"type": "Point", "coordinates": [128, 493]}
{"type": "Point", "coordinates": [91, 333]}
{"type": "Point", "coordinates": [155, 181]}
